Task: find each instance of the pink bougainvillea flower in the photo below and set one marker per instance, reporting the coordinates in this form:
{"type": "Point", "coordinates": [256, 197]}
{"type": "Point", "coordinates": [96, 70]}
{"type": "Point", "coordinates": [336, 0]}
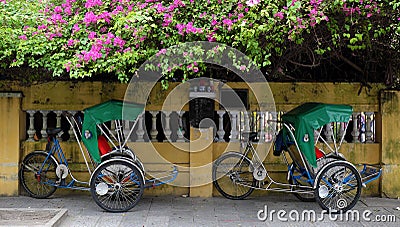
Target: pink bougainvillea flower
{"type": "Point", "coordinates": [68, 11]}
{"type": "Point", "coordinates": [56, 18]}
{"type": "Point", "coordinates": [105, 16]}
{"type": "Point", "coordinates": [92, 35]}
{"type": "Point", "coordinates": [162, 51]}
{"type": "Point", "coordinates": [72, 42]}
{"type": "Point", "coordinates": [42, 27]}
{"type": "Point", "coordinates": [210, 37]}
{"type": "Point", "coordinates": [90, 17]}
{"type": "Point", "coordinates": [279, 14]}
{"type": "Point", "coordinates": [119, 42]}
{"type": "Point", "coordinates": [107, 41]}
{"type": "Point", "coordinates": [23, 37]}
{"type": "Point", "coordinates": [313, 12]}
{"type": "Point", "coordinates": [110, 35]}
{"type": "Point", "coordinates": [227, 22]}
{"type": "Point", "coordinates": [75, 28]}
{"type": "Point", "coordinates": [160, 8]}
{"type": "Point", "coordinates": [181, 28]}
{"type": "Point", "coordinates": [167, 19]}
{"type": "Point", "coordinates": [68, 66]}
{"type": "Point", "coordinates": [119, 8]}
{"type": "Point", "coordinates": [252, 2]}
{"type": "Point", "coordinates": [91, 3]}
{"type": "Point", "coordinates": [58, 9]}
{"type": "Point", "coordinates": [190, 28]}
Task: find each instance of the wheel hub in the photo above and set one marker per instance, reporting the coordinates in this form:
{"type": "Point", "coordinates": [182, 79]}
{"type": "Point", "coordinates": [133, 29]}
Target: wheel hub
{"type": "Point", "coordinates": [38, 177]}
{"type": "Point", "coordinates": [338, 188]}
{"type": "Point", "coordinates": [259, 174]}
{"type": "Point", "coordinates": [117, 186]}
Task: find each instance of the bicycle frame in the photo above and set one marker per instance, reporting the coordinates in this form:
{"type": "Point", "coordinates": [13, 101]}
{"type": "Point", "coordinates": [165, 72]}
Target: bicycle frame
{"type": "Point", "coordinates": [256, 162]}
{"type": "Point", "coordinates": [54, 151]}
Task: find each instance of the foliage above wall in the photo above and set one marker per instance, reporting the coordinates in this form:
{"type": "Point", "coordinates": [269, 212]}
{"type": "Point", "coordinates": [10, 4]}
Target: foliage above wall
{"type": "Point", "coordinates": [85, 38]}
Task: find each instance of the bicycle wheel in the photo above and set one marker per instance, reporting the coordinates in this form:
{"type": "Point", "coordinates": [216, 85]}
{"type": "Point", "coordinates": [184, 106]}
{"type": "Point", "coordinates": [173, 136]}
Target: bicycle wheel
{"type": "Point", "coordinates": [338, 187]}
{"type": "Point", "coordinates": [233, 176]}
{"type": "Point", "coordinates": [38, 175]}
{"type": "Point", "coordinates": [302, 181]}
{"type": "Point", "coordinates": [117, 185]}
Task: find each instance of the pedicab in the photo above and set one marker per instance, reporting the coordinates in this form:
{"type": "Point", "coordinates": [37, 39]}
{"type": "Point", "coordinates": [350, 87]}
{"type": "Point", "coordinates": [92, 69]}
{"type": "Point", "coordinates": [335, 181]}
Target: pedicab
{"type": "Point", "coordinates": [117, 176]}
{"type": "Point", "coordinates": [312, 173]}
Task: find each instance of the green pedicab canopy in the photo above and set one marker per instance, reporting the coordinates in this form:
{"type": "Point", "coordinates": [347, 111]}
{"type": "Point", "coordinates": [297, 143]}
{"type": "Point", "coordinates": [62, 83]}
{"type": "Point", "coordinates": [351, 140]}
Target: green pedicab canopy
{"type": "Point", "coordinates": [103, 112]}
{"type": "Point", "coordinates": [310, 116]}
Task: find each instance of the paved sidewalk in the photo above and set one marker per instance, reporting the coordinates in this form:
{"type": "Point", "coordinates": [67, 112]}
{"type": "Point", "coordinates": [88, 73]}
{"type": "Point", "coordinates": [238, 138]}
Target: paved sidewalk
{"type": "Point", "coordinates": [217, 211]}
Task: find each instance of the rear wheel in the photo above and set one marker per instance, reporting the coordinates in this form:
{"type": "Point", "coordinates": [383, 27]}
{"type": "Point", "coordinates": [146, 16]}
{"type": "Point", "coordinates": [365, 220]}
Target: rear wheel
{"type": "Point", "coordinates": [338, 187]}
{"type": "Point", "coordinates": [38, 175]}
{"type": "Point", "coordinates": [233, 176]}
{"type": "Point", "coordinates": [117, 185]}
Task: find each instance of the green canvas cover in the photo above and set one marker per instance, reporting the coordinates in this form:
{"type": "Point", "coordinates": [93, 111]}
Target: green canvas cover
{"type": "Point", "coordinates": [310, 116]}
{"type": "Point", "coordinates": [103, 112]}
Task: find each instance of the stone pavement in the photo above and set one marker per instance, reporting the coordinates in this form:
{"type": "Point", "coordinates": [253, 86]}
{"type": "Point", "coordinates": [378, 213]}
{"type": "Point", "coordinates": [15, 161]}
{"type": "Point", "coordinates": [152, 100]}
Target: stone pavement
{"type": "Point", "coordinates": [181, 211]}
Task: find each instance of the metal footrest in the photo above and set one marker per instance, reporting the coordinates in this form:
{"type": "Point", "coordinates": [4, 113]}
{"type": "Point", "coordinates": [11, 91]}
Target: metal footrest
{"type": "Point", "coordinates": [370, 173]}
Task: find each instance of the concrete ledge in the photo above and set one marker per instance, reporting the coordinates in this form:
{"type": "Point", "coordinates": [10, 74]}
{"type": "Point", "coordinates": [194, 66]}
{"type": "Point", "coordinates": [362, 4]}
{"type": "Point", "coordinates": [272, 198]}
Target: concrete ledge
{"type": "Point", "coordinates": [31, 217]}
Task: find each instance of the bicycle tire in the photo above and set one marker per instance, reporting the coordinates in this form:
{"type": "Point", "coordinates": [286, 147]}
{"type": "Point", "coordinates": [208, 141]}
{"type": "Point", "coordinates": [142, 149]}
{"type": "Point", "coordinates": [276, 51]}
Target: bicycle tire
{"type": "Point", "coordinates": [38, 185]}
{"type": "Point", "coordinates": [124, 185]}
{"type": "Point", "coordinates": [338, 187]}
{"type": "Point", "coordinates": [236, 181]}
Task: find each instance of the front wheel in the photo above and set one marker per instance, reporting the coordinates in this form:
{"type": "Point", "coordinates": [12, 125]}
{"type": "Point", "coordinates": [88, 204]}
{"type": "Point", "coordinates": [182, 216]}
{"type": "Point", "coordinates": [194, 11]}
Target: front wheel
{"type": "Point", "coordinates": [232, 176]}
{"type": "Point", "coordinates": [117, 185]}
{"type": "Point", "coordinates": [38, 174]}
{"type": "Point", "coordinates": [338, 187]}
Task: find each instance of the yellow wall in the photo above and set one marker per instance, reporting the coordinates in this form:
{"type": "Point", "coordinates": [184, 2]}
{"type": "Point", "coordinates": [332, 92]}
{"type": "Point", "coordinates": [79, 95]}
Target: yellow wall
{"type": "Point", "coordinates": [10, 104]}
{"type": "Point", "coordinates": [77, 96]}
{"type": "Point", "coordinates": [390, 146]}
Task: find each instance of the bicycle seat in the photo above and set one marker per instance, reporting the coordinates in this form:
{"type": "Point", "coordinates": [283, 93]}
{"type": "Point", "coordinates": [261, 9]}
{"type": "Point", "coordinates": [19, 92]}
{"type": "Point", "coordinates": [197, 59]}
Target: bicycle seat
{"type": "Point", "coordinates": [53, 131]}
{"type": "Point", "coordinates": [252, 136]}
